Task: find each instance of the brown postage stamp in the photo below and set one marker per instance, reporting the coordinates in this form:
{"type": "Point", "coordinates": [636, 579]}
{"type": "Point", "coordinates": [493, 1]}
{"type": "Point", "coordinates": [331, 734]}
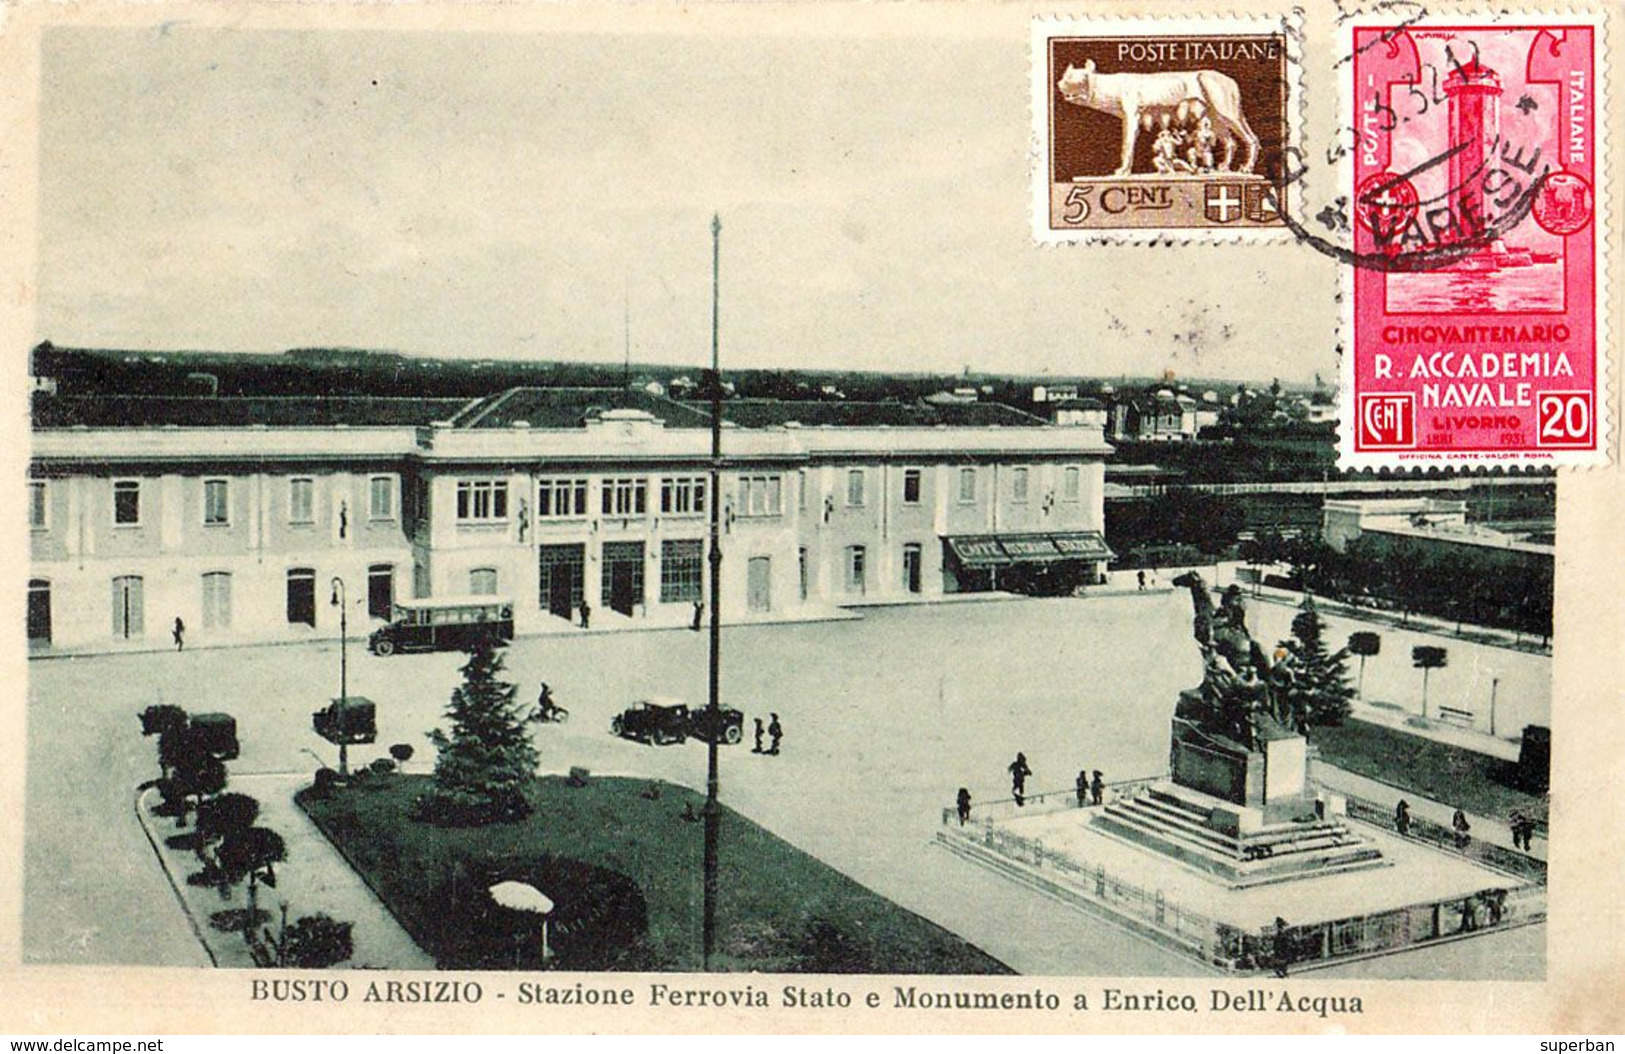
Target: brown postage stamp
{"type": "Point", "coordinates": [1151, 129]}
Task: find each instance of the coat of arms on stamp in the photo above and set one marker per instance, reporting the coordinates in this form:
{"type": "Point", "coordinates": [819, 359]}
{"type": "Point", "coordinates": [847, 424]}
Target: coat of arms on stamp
{"type": "Point", "coordinates": [1177, 128]}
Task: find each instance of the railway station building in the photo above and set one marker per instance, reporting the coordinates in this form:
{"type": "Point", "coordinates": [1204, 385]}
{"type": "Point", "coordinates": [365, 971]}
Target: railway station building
{"type": "Point", "coordinates": [235, 515]}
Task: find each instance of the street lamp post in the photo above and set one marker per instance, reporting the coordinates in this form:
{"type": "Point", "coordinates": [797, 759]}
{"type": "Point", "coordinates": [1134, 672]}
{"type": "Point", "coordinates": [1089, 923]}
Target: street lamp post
{"type": "Point", "coordinates": [713, 811]}
{"type": "Point", "coordinates": [341, 601]}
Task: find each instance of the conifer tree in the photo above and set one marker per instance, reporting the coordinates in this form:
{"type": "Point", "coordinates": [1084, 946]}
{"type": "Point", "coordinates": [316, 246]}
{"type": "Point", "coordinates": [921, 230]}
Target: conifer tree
{"type": "Point", "coordinates": [486, 761]}
{"type": "Point", "coordinates": [1321, 690]}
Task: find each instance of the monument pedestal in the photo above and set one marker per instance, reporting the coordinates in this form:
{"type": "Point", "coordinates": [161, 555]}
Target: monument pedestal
{"type": "Point", "coordinates": [1244, 815]}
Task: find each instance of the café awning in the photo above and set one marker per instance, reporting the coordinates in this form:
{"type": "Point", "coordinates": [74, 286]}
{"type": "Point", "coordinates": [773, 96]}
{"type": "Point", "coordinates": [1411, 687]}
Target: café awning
{"type": "Point", "coordinates": [1002, 550]}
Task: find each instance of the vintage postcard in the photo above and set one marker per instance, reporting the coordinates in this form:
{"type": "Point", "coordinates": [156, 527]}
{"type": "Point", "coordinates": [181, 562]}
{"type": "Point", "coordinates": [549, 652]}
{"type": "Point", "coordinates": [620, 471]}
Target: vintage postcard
{"type": "Point", "coordinates": [1478, 324]}
{"type": "Point", "coordinates": [562, 517]}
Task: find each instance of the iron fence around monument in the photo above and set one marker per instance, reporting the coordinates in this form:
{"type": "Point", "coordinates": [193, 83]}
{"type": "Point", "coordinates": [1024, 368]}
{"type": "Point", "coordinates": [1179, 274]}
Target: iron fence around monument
{"type": "Point", "coordinates": [1232, 949]}
{"type": "Point", "coordinates": [1497, 857]}
{"type": "Point", "coordinates": [1041, 803]}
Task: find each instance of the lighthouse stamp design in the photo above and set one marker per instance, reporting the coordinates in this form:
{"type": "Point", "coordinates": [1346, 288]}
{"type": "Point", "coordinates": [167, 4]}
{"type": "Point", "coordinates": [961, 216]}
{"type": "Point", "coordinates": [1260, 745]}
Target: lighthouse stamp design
{"type": "Point", "coordinates": [1162, 129]}
{"type": "Point", "coordinates": [1474, 312]}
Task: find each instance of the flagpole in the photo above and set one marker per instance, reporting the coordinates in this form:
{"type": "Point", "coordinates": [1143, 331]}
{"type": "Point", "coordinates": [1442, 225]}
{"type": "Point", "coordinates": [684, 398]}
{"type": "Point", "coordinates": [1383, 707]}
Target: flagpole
{"type": "Point", "coordinates": [713, 811]}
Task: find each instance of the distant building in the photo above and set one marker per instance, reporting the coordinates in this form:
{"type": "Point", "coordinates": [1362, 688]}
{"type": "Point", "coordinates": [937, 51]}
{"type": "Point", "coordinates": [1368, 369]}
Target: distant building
{"type": "Point", "coordinates": [1156, 417]}
{"type": "Point", "coordinates": [1058, 393]}
{"type": "Point", "coordinates": [1090, 413]}
{"type": "Point", "coordinates": [1438, 524]}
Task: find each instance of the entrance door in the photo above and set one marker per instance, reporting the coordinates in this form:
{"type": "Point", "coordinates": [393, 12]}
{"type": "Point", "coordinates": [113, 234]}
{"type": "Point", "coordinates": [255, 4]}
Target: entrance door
{"type": "Point", "coordinates": [302, 596]}
{"type": "Point", "coordinates": [128, 617]}
{"type": "Point", "coordinates": [380, 590]}
{"type": "Point", "coordinates": [623, 576]}
{"type": "Point", "coordinates": [560, 569]}
{"type": "Point", "coordinates": [39, 611]}
{"type": "Point", "coordinates": [621, 596]}
{"type": "Point", "coordinates": [911, 568]}
{"type": "Point", "coordinates": [759, 584]}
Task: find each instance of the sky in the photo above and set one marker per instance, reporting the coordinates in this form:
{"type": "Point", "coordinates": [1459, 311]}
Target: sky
{"type": "Point", "coordinates": [521, 195]}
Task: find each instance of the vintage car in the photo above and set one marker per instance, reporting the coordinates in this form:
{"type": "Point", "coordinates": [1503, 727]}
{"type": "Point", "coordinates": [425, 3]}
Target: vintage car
{"type": "Point", "coordinates": [661, 720]}
{"type": "Point", "coordinates": [658, 720]}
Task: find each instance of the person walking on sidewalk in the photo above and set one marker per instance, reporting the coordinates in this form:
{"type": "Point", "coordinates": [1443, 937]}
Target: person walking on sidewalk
{"type": "Point", "coordinates": [775, 732]}
{"type": "Point", "coordinates": [963, 804]}
{"type": "Point", "coordinates": [1082, 785]}
{"type": "Point", "coordinates": [1141, 576]}
{"type": "Point", "coordinates": [1402, 818]}
{"type": "Point", "coordinates": [699, 615]}
{"type": "Point", "coordinates": [1459, 824]}
{"type": "Point", "coordinates": [1018, 778]}
{"type": "Point", "coordinates": [179, 633]}
{"type": "Point", "coordinates": [757, 749]}
{"type": "Point", "coordinates": [586, 614]}
{"type": "Point", "coordinates": [1097, 789]}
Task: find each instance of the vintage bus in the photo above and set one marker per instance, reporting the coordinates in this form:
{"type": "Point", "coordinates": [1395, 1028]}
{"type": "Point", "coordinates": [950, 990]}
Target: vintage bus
{"type": "Point", "coordinates": [443, 624]}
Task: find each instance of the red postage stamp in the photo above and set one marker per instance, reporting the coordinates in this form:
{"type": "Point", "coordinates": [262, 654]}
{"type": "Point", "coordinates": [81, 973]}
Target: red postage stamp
{"type": "Point", "coordinates": [1162, 128]}
{"type": "Point", "coordinates": [1474, 322]}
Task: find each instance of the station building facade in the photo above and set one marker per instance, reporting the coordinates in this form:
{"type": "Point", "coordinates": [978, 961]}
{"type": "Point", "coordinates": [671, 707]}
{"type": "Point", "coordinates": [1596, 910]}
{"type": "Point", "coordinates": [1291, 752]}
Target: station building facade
{"type": "Point", "coordinates": [247, 519]}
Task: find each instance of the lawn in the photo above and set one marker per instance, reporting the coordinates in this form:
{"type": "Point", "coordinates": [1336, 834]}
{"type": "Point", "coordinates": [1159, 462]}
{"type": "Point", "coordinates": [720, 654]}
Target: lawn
{"type": "Point", "coordinates": [1451, 775]}
{"type": "Point", "coordinates": [778, 910]}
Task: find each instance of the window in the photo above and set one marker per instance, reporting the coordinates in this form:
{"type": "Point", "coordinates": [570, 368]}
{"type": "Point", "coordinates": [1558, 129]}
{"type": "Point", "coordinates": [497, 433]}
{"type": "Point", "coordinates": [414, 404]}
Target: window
{"type": "Point", "coordinates": [380, 590]}
{"type": "Point", "coordinates": [911, 486]}
{"type": "Point", "coordinates": [216, 502]}
{"type": "Point", "coordinates": [482, 499]}
{"type": "Point", "coordinates": [682, 495]}
{"type": "Point", "coordinates": [854, 487]}
{"type": "Point", "coordinates": [301, 501]}
{"type": "Point", "coordinates": [217, 600]}
{"type": "Point", "coordinates": [38, 507]}
{"type": "Point", "coordinates": [126, 502]}
{"type": "Point", "coordinates": [760, 496]}
{"type": "Point", "coordinates": [302, 596]}
{"type": "Point", "coordinates": [967, 486]}
{"type": "Point", "coordinates": [1018, 485]}
{"type": "Point", "coordinates": [482, 581]}
{"type": "Point", "coordinates": [801, 489]}
{"type": "Point", "coordinates": [1071, 482]}
{"type": "Point", "coordinates": [381, 498]}
{"type": "Point", "coordinates": [680, 571]}
{"type": "Point", "coordinates": [558, 499]}
{"type": "Point", "coordinates": [625, 497]}
{"type": "Point", "coordinates": [857, 569]}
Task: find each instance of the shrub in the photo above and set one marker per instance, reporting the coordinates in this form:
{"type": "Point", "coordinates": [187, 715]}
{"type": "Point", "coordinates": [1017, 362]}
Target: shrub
{"type": "Point", "coordinates": [401, 752]}
{"type": "Point", "coordinates": [382, 766]}
{"type": "Point", "coordinates": [326, 780]}
{"type": "Point", "coordinates": [316, 942]}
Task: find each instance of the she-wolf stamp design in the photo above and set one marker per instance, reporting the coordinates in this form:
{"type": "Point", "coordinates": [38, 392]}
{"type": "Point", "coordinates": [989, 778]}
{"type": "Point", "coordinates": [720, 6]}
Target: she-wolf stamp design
{"type": "Point", "coordinates": [1161, 128]}
{"type": "Point", "coordinates": [1475, 307]}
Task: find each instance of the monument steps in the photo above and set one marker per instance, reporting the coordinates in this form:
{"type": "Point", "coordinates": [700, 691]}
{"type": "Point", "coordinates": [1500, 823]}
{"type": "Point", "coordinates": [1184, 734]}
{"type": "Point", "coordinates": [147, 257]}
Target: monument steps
{"type": "Point", "coordinates": [1172, 823]}
{"type": "Point", "coordinates": [1280, 838]}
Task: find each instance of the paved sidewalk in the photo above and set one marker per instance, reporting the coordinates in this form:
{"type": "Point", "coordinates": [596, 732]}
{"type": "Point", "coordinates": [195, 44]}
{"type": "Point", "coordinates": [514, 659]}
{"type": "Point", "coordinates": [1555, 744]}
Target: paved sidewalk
{"type": "Point", "coordinates": [314, 879]}
{"type": "Point", "coordinates": [1491, 829]}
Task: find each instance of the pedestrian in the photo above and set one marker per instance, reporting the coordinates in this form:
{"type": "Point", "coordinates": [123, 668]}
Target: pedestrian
{"type": "Point", "coordinates": [757, 749]}
{"type": "Point", "coordinates": [699, 613]}
{"type": "Point", "coordinates": [775, 732]}
{"type": "Point", "coordinates": [1083, 787]}
{"type": "Point", "coordinates": [964, 805]}
{"type": "Point", "coordinates": [1018, 778]}
{"type": "Point", "coordinates": [1459, 824]}
{"type": "Point", "coordinates": [1097, 789]}
{"type": "Point", "coordinates": [1402, 817]}
{"type": "Point", "coordinates": [1282, 950]}
{"type": "Point", "coordinates": [179, 633]}
{"type": "Point", "coordinates": [1515, 822]}
{"type": "Point", "coordinates": [1141, 577]}
{"type": "Point", "coordinates": [586, 614]}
